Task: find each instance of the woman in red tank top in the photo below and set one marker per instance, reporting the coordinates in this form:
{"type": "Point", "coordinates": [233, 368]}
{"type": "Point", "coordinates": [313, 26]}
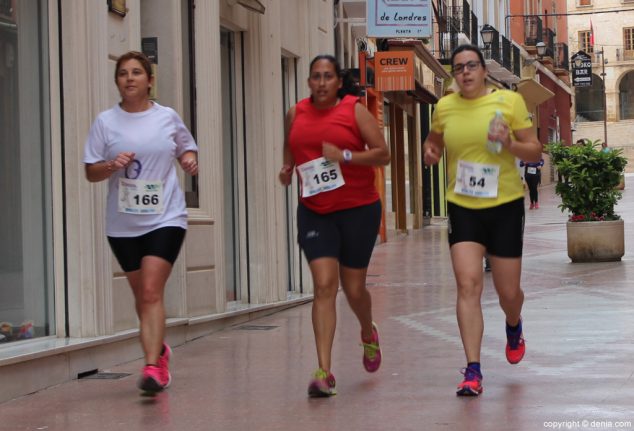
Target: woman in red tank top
{"type": "Point", "coordinates": [334, 143]}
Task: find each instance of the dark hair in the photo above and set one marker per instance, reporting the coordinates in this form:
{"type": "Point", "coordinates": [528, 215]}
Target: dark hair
{"type": "Point", "coordinates": [468, 47]}
{"type": "Point", "coordinates": [134, 55]}
{"type": "Point", "coordinates": [349, 85]}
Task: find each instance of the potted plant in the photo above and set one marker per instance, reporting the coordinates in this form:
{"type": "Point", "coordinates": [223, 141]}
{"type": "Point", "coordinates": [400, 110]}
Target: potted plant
{"type": "Point", "coordinates": [588, 192]}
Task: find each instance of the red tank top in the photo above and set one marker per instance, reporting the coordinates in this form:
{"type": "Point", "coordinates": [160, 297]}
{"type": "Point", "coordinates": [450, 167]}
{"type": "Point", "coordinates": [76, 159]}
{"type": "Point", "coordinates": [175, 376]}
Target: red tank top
{"type": "Point", "coordinates": [337, 125]}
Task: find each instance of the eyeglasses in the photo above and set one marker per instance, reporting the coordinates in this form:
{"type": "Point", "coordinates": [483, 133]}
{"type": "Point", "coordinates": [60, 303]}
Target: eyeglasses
{"type": "Point", "coordinates": [472, 65]}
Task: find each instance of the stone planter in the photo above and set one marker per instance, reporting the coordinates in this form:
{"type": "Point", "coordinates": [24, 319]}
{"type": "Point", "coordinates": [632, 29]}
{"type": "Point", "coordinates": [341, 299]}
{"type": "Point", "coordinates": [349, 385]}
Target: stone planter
{"type": "Point", "coordinates": [596, 241]}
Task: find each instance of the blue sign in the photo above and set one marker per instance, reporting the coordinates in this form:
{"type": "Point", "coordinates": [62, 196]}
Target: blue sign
{"type": "Point", "coordinates": [399, 18]}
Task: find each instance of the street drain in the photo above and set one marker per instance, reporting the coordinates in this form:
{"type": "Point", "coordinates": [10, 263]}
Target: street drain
{"type": "Point", "coordinates": [93, 374]}
{"type": "Point", "coordinates": [571, 282]}
{"type": "Point", "coordinates": [256, 327]}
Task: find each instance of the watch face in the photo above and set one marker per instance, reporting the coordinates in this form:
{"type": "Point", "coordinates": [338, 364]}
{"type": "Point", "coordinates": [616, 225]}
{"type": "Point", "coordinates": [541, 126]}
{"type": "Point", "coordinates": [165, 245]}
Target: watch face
{"type": "Point", "coordinates": [347, 155]}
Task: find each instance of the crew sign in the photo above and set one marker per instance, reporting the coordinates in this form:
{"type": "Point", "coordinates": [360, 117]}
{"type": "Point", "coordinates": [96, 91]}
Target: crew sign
{"type": "Point", "coordinates": [581, 70]}
{"type": "Point", "coordinates": [399, 18]}
{"type": "Point", "coordinates": [394, 71]}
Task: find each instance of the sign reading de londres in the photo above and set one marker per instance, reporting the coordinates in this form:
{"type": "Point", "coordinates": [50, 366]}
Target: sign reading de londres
{"type": "Point", "coordinates": [581, 70]}
{"type": "Point", "coordinates": [399, 18]}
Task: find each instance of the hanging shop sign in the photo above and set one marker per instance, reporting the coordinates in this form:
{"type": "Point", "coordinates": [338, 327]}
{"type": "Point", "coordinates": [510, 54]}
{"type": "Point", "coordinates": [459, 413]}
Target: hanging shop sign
{"type": "Point", "coordinates": [399, 18]}
{"type": "Point", "coordinates": [581, 70]}
{"type": "Point", "coordinates": [394, 70]}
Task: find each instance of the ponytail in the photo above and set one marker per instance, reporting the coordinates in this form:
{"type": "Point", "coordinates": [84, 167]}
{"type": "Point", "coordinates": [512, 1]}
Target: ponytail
{"type": "Point", "coordinates": [350, 84]}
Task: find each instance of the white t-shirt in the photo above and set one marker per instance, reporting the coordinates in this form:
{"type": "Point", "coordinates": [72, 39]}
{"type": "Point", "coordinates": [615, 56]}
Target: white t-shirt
{"type": "Point", "coordinates": [157, 136]}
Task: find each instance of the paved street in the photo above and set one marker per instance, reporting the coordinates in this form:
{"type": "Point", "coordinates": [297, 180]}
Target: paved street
{"type": "Point", "coordinates": [578, 324]}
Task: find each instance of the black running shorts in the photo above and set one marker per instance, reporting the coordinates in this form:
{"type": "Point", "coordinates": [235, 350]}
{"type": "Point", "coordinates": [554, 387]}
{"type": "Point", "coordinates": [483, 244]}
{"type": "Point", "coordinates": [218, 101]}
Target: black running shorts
{"type": "Point", "coordinates": [348, 235]}
{"type": "Point", "coordinates": [500, 229]}
{"type": "Point", "coordinates": [164, 242]}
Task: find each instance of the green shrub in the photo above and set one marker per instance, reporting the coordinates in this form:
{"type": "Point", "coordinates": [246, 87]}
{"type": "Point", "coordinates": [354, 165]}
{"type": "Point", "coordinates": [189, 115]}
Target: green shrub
{"type": "Point", "coordinates": [590, 177]}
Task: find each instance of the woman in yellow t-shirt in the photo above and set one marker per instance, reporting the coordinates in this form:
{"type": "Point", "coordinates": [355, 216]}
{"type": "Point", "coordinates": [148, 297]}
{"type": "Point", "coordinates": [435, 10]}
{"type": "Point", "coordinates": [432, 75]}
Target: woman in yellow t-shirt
{"type": "Point", "coordinates": [483, 130]}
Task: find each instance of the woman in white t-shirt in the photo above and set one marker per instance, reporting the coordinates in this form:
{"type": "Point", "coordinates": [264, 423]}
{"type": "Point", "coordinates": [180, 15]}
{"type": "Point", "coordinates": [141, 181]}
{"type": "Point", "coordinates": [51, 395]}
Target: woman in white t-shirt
{"type": "Point", "coordinates": [133, 145]}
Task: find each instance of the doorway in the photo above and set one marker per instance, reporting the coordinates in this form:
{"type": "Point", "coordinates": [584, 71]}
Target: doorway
{"type": "Point", "coordinates": [236, 256]}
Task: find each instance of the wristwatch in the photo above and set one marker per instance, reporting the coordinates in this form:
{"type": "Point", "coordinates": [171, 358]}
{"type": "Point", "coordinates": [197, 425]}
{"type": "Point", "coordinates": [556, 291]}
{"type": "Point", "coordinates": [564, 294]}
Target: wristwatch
{"type": "Point", "coordinates": [347, 156]}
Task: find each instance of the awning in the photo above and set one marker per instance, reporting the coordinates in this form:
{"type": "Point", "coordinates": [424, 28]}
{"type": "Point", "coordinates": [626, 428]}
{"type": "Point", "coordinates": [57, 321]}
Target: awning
{"type": "Point", "coordinates": [423, 95]}
{"type": "Point", "coordinates": [253, 5]}
{"type": "Point", "coordinates": [533, 92]}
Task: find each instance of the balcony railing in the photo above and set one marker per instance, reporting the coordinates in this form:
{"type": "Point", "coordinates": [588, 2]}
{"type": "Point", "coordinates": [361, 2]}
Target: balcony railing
{"type": "Point", "coordinates": [459, 19]}
{"type": "Point", "coordinates": [532, 30]}
{"type": "Point", "coordinates": [466, 17]}
{"type": "Point", "coordinates": [517, 65]}
{"type": "Point", "coordinates": [561, 56]}
{"type": "Point", "coordinates": [455, 20]}
{"type": "Point", "coordinates": [506, 54]}
{"type": "Point", "coordinates": [623, 54]}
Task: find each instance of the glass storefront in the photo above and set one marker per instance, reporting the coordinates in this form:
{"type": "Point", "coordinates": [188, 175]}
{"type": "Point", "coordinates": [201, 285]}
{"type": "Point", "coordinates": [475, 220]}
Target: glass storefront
{"type": "Point", "coordinates": [26, 287]}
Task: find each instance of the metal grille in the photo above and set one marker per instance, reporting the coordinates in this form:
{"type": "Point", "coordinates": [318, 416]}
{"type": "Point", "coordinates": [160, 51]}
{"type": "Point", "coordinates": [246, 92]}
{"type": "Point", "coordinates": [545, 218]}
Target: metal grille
{"type": "Point", "coordinates": [102, 376]}
{"type": "Point", "coordinates": [256, 327]}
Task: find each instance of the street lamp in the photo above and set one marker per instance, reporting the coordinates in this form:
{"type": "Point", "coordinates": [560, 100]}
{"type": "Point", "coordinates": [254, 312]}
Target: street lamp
{"type": "Point", "coordinates": [486, 33]}
{"type": "Point", "coordinates": [541, 50]}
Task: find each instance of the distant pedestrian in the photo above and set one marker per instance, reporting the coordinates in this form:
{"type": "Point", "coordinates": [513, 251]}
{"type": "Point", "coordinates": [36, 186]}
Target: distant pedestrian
{"type": "Point", "coordinates": [533, 178]}
{"type": "Point", "coordinates": [333, 142]}
{"type": "Point", "coordinates": [485, 200]}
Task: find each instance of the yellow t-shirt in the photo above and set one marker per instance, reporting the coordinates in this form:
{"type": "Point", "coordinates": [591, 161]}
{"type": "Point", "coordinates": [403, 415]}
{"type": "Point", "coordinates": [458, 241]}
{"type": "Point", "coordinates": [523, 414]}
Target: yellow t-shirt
{"type": "Point", "coordinates": [464, 125]}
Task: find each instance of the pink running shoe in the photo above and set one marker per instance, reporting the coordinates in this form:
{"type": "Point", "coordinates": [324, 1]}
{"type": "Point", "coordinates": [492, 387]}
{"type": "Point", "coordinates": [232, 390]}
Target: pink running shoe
{"type": "Point", "coordinates": [164, 364]}
{"type": "Point", "coordinates": [372, 351]}
{"type": "Point", "coordinates": [515, 345]}
{"type": "Point", "coordinates": [153, 379]}
{"type": "Point", "coordinates": [322, 385]}
{"type": "Point", "coordinates": [471, 386]}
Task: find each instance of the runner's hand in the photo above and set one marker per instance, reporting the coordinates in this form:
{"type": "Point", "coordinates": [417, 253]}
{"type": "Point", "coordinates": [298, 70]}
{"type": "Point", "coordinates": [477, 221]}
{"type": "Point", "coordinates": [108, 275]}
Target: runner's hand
{"type": "Point", "coordinates": [286, 175]}
{"type": "Point", "coordinates": [331, 152]}
{"type": "Point", "coordinates": [121, 161]}
{"type": "Point", "coordinates": [432, 154]}
{"type": "Point", "coordinates": [189, 164]}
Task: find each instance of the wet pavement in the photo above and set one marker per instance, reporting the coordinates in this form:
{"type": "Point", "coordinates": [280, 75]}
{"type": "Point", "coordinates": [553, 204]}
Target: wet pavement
{"type": "Point", "coordinates": [577, 372]}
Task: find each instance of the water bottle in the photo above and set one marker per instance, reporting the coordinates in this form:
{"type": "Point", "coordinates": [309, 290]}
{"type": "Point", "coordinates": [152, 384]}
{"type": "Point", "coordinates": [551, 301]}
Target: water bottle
{"type": "Point", "coordinates": [495, 146]}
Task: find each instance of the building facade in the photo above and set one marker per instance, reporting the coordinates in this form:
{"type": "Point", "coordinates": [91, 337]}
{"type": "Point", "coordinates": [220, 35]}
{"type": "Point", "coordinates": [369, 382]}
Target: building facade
{"type": "Point", "coordinates": [410, 195]}
{"type": "Point", "coordinates": [231, 69]}
{"type": "Point", "coordinates": [540, 27]}
{"type": "Point", "coordinates": [605, 31]}
{"type": "Point", "coordinates": [516, 29]}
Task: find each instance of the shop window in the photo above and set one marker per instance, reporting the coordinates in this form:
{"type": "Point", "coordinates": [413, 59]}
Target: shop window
{"type": "Point", "coordinates": [295, 270]}
{"type": "Point", "coordinates": [235, 172]}
{"type": "Point", "coordinates": [189, 92]}
{"type": "Point", "coordinates": [26, 279]}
